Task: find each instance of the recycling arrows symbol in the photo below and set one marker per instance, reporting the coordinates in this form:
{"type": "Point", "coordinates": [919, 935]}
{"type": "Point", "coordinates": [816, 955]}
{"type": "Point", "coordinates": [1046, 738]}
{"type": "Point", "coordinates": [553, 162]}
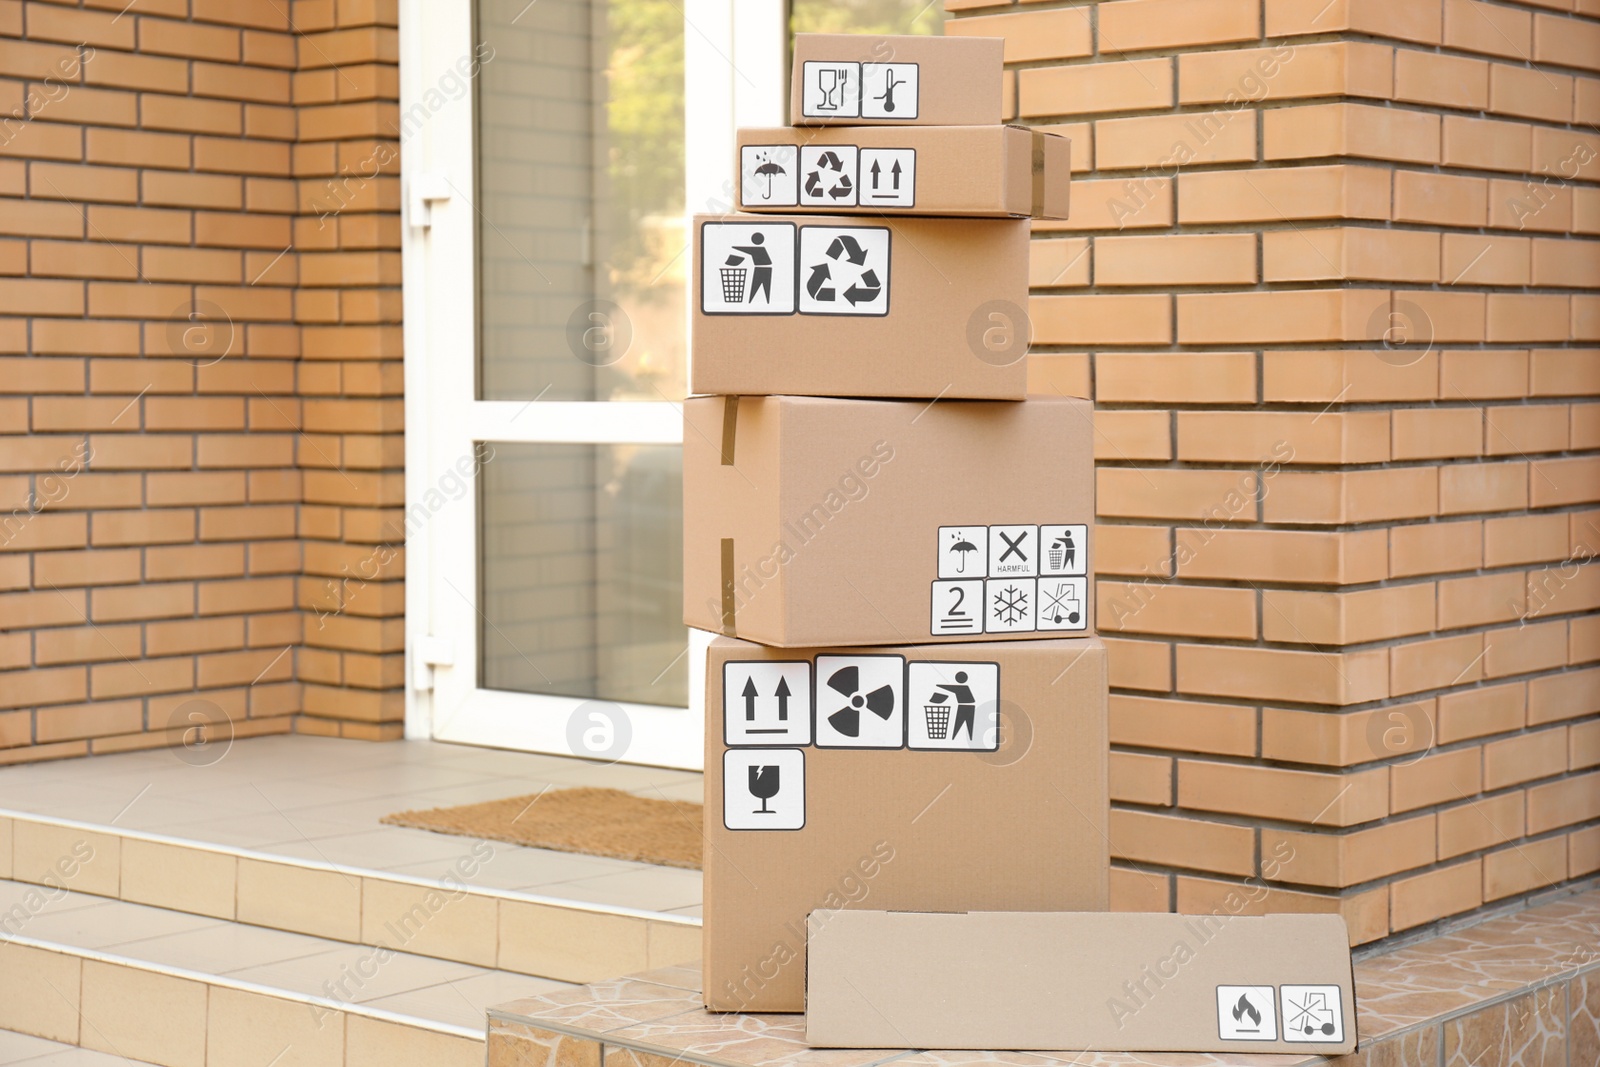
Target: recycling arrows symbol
{"type": "Point", "coordinates": [866, 287]}
{"type": "Point", "coordinates": [842, 188]}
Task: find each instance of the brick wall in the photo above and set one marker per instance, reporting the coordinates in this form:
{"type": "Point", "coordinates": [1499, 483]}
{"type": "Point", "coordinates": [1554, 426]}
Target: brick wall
{"type": "Point", "coordinates": [200, 441]}
{"type": "Point", "coordinates": [1330, 276]}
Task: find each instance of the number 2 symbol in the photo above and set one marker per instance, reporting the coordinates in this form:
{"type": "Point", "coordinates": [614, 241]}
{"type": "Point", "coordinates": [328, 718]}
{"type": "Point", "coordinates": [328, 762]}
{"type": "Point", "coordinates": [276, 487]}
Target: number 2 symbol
{"type": "Point", "coordinates": [961, 597]}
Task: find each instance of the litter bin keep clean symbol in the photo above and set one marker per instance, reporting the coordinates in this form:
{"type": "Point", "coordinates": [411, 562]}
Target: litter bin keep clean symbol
{"type": "Point", "coordinates": [747, 268]}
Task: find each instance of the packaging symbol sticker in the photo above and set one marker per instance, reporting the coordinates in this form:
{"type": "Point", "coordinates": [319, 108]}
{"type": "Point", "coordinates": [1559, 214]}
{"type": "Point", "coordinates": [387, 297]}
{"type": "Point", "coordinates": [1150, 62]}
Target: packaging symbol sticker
{"type": "Point", "coordinates": [1061, 550]}
{"type": "Point", "coordinates": [766, 702]}
{"type": "Point", "coordinates": [1013, 550]}
{"type": "Point", "coordinates": [953, 706]}
{"type": "Point", "coordinates": [1311, 1013]}
{"type": "Point", "coordinates": [1011, 605]}
{"type": "Point", "coordinates": [958, 607]}
{"type": "Point", "coordinates": [769, 176]}
{"type": "Point", "coordinates": [963, 551]}
{"type": "Point", "coordinates": [831, 90]}
{"type": "Point", "coordinates": [1061, 603]}
{"type": "Point", "coordinates": [888, 177]}
{"type": "Point", "coordinates": [1245, 1013]}
{"type": "Point", "coordinates": [747, 268]}
{"type": "Point", "coordinates": [828, 175]}
{"type": "Point", "coordinates": [764, 789]}
{"type": "Point", "coordinates": [888, 91]}
{"type": "Point", "coordinates": [844, 270]}
{"type": "Point", "coordinates": [1010, 578]}
{"type": "Point", "coordinates": [860, 702]}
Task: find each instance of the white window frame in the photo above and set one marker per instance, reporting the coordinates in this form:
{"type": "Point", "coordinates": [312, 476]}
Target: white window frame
{"type": "Point", "coordinates": [735, 62]}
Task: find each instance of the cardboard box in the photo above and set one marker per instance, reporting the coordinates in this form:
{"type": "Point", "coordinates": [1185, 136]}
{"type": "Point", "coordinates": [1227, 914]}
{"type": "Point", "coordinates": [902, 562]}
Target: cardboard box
{"type": "Point", "coordinates": [1123, 982]}
{"type": "Point", "coordinates": [983, 171]}
{"type": "Point", "coordinates": [858, 79]}
{"type": "Point", "coordinates": [814, 521]}
{"type": "Point", "coordinates": [840, 306]}
{"type": "Point", "coordinates": [836, 778]}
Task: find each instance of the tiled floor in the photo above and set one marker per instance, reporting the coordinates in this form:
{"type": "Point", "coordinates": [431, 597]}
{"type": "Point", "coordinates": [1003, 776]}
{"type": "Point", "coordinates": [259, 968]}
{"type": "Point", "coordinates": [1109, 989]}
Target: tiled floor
{"type": "Point", "coordinates": [320, 799]}
{"type": "Point", "coordinates": [20, 1049]}
{"type": "Point", "coordinates": [418, 987]}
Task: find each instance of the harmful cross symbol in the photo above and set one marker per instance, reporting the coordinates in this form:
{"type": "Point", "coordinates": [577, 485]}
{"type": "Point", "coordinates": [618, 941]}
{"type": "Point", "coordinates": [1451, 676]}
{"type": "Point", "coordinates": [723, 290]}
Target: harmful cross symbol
{"type": "Point", "coordinates": [1013, 546]}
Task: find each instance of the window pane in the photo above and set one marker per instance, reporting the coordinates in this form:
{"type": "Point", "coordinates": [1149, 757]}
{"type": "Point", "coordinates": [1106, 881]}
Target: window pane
{"type": "Point", "coordinates": [867, 16]}
{"type": "Point", "coordinates": [582, 572]}
{"type": "Point", "coordinates": [581, 224]}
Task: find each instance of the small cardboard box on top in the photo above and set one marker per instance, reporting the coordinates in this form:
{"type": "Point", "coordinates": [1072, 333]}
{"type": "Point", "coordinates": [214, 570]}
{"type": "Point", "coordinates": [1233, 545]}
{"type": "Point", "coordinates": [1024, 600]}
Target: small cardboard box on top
{"type": "Point", "coordinates": [849, 306]}
{"type": "Point", "coordinates": [817, 521]}
{"type": "Point", "coordinates": [855, 79]}
{"type": "Point", "coordinates": [977, 171]}
{"type": "Point", "coordinates": [1124, 982]}
{"type": "Point", "coordinates": [922, 777]}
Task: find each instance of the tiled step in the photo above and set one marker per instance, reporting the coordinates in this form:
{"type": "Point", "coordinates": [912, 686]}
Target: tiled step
{"type": "Point", "coordinates": [183, 990]}
{"type": "Point", "coordinates": [24, 1050]}
{"type": "Point", "coordinates": [284, 833]}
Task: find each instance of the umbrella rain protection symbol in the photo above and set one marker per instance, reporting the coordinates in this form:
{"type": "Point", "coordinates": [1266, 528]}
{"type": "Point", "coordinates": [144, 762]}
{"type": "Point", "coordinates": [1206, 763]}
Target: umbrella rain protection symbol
{"type": "Point", "coordinates": [961, 548]}
{"type": "Point", "coordinates": [767, 169]}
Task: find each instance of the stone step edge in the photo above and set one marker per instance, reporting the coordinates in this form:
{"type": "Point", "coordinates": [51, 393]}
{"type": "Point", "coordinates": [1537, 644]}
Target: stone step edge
{"type": "Point", "coordinates": [238, 985]}
{"type": "Point", "coordinates": [239, 852]}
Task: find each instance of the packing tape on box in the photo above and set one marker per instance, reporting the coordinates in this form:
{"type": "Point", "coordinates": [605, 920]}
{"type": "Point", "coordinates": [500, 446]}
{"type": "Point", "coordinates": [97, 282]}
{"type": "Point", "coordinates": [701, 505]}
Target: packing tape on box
{"type": "Point", "coordinates": [730, 427]}
{"type": "Point", "coordinates": [730, 626]}
{"type": "Point", "coordinates": [1038, 174]}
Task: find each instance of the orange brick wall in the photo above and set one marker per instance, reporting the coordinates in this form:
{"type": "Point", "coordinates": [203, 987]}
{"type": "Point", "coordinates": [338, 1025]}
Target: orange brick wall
{"type": "Point", "coordinates": [200, 439]}
{"type": "Point", "coordinates": [1331, 277]}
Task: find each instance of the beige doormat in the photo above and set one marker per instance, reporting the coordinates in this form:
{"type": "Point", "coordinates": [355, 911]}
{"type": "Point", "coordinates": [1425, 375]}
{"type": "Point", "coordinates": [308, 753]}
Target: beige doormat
{"type": "Point", "coordinates": [595, 822]}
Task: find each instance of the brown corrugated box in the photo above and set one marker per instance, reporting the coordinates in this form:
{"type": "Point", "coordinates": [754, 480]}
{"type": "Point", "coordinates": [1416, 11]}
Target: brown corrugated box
{"type": "Point", "coordinates": [814, 521]}
{"type": "Point", "coordinates": [979, 171]}
{"type": "Point", "coordinates": [858, 79]}
{"type": "Point", "coordinates": [1123, 982]}
{"type": "Point", "coordinates": [839, 778]}
{"type": "Point", "coordinates": [818, 305]}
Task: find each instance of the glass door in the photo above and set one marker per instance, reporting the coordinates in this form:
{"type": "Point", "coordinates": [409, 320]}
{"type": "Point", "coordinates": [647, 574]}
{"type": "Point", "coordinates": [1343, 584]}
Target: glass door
{"type": "Point", "coordinates": [546, 258]}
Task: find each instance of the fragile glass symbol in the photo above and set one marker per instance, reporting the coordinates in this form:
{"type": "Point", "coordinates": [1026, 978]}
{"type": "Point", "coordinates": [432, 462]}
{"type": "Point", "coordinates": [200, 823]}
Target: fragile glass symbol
{"type": "Point", "coordinates": [764, 786]}
{"type": "Point", "coordinates": [1311, 1015]}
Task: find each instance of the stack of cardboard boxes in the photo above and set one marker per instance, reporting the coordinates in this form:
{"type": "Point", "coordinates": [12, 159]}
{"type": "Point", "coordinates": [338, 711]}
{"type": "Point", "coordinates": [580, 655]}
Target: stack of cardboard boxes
{"type": "Point", "coordinates": [905, 710]}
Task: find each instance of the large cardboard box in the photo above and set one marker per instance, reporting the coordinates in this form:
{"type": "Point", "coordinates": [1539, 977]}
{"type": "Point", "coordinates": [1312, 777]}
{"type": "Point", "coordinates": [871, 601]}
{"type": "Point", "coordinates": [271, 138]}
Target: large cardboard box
{"type": "Point", "coordinates": [1125, 982]}
{"type": "Point", "coordinates": [815, 521]}
{"type": "Point", "coordinates": [844, 306]}
{"type": "Point", "coordinates": [984, 171]}
{"type": "Point", "coordinates": [920, 777]}
{"type": "Point", "coordinates": [858, 79]}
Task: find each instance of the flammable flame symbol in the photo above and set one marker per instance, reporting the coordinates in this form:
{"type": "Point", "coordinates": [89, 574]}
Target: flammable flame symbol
{"type": "Point", "coordinates": [1243, 1008]}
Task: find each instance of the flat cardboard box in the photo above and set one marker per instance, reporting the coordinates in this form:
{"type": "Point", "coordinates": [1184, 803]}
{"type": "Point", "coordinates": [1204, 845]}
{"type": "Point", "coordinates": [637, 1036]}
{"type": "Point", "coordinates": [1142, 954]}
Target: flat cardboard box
{"type": "Point", "coordinates": [813, 521]}
{"type": "Point", "coordinates": [980, 171]}
{"type": "Point", "coordinates": [836, 779]}
{"type": "Point", "coordinates": [827, 305]}
{"type": "Point", "coordinates": [1122, 982]}
{"type": "Point", "coordinates": [859, 79]}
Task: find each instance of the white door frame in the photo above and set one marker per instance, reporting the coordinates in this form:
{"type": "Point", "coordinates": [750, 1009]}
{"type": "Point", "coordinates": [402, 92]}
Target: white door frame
{"type": "Point", "coordinates": [735, 63]}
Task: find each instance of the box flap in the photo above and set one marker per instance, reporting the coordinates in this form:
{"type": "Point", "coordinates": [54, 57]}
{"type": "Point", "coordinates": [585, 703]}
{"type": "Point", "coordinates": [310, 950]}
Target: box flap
{"type": "Point", "coordinates": [1114, 982]}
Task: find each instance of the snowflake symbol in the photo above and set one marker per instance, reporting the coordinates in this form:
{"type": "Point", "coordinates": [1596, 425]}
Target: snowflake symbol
{"type": "Point", "coordinates": [1010, 605]}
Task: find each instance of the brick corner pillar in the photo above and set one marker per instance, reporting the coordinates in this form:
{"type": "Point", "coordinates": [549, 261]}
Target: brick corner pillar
{"type": "Point", "coordinates": [1331, 278]}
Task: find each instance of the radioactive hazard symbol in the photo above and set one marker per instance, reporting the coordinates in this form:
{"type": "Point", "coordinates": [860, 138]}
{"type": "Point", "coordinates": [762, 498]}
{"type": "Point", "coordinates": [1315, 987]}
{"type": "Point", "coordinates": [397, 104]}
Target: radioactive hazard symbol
{"type": "Point", "coordinates": [844, 270]}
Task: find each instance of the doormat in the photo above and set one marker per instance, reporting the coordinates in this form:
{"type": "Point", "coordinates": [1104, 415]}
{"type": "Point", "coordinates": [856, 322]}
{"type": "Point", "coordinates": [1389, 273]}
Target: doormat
{"type": "Point", "coordinates": [594, 822]}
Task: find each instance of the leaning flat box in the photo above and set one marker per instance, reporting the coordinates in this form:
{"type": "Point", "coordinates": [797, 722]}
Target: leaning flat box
{"type": "Point", "coordinates": [857, 79]}
{"type": "Point", "coordinates": [931, 778]}
{"type": "Point", "coordinates": [1125, 982]}
{"type": "Point", "coordinates": [817, 521]}
{"type": "Point", "coordinates": [839, 306]}
{"type": "Point", "coordinates": [981, 171]}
